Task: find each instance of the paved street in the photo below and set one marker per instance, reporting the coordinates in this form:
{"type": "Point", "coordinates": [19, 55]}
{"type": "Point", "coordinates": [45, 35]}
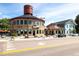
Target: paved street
{"type": "Point", "coordinates": [66, 50]}
{"type": "Point", "coordinates": [66, 46]}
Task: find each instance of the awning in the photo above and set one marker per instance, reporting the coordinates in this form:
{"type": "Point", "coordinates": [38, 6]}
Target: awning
{"type": "Point", "coordinates": [4, 31]}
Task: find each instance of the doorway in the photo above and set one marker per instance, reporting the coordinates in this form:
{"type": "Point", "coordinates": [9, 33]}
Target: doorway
{"type": "Point", "coordinates": [33, 32]}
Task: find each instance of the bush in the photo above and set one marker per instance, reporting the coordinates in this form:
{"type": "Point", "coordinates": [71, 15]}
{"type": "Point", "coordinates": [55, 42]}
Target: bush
{"type": "Point", "coordinates": [14, 34]}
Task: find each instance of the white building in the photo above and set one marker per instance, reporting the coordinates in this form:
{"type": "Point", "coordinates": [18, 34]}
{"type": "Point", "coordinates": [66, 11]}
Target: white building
{"type": "Point", "coordinates": [69, 27]}
{"type": "Point", "coordinates": [66, 27]}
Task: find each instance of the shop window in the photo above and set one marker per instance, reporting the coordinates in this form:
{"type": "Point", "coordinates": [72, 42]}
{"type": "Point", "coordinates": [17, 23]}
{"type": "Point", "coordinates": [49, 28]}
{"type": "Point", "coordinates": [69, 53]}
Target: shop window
{"type": "Point", "coordinates": [33, 23]}
{"type": "Point", "coordinates": [29, 22]}
{"type": "Point", "coordinates": [37, 23]}
{"type": "Point", "coordinates": [67, 26]}
{"type": "Point", "coordinates": [17, 22]}
{"type": "Point", "coordinates": [40, 31]}
{"type": "Point", "coordinates": [25, 22]}
{"type": "Point", "coordinates": [21, 22]}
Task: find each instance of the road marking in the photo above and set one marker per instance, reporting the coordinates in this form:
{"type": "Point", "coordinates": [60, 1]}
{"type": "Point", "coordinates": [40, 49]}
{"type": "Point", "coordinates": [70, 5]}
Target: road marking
{"type": "Point", "coordinates": [10, 45]}
{"type": "Point", "coordinates": [33, 48]}
{"type": "Point", "coordinates": [25, 49]}
{"type": "Point", "coordinates": [41, 43]}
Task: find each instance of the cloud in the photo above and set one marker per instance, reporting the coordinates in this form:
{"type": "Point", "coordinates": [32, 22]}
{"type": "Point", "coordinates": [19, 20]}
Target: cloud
{"type": "Point", "coordinates": [4, 16]}
{"type": "Point", "coordinates": [51, 11]}
{"type": "Point", "coordinates": [64, 9]}
{"type": "Point", "coordinates": [60, 13]}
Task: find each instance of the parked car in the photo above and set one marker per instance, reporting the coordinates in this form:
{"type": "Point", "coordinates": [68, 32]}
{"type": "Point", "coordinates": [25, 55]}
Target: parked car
{"type": "Point", "coordinates": [3, 36]}
{"type": "Point", "coordinates": [61, 35]}
{"type": "Point", "coordinates": [74, 34]}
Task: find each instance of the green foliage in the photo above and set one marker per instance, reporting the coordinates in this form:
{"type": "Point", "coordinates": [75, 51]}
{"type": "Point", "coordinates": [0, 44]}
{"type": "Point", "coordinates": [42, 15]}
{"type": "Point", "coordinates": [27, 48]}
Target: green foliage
{"type": "Point", "coordinates": [77, 19]}
{"type": "Point", "coordinates": [4, 21]}
{"type": "Point", "coordinates": [77, 29]}
{"type": "Point", "coordinates": [4, 24]}
{"type": "Point", "coordinates": [77, 22]}
{"type": "Point", "coordinates": [14, 34]}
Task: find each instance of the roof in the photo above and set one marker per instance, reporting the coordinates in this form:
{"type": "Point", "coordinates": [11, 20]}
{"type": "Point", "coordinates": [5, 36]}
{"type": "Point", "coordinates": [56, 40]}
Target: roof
{"type": "Point", "coordinates": [28, 17]}
{"type": "Point", "coordinates": [4, 31]}
{"type": "Point", "coordinates": [60, 23]}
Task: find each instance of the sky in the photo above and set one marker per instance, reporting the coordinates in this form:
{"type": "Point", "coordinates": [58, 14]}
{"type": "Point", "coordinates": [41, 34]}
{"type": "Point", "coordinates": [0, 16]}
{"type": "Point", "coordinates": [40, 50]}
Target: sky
{"type": "Point", "coordinates": [51, 12]}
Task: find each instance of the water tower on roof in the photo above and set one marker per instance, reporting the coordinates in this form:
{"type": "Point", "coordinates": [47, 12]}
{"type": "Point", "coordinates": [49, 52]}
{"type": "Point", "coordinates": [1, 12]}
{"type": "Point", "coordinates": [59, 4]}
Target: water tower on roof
{"type": "Point", "coordinates": [28, 10]}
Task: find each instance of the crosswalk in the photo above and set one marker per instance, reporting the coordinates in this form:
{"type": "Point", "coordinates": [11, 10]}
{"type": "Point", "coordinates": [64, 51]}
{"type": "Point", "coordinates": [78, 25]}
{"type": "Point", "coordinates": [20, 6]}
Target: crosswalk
{"type": "Point", "coordinates": [10, 45]}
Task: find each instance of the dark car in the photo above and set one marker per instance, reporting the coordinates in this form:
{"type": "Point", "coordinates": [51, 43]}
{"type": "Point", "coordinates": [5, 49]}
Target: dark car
{"type": "Point", "coordinates": [61, 35]}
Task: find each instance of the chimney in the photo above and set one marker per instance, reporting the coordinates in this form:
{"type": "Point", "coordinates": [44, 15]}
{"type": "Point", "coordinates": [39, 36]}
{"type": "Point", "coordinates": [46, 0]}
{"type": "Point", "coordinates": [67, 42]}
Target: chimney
{"type": "Point", "coordinates": [28, 10]}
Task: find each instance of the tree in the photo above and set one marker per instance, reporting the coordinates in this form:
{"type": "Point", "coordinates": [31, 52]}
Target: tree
{"type": "Point", "coordinates": [4, 24]}
{"type": "Point", "coordinates": [77, 22]}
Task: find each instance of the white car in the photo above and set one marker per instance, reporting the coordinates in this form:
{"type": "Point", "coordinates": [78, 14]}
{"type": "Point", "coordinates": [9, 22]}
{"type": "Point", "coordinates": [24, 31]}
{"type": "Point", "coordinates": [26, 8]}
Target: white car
{"type": "Point", "coordinates": [74, 34]}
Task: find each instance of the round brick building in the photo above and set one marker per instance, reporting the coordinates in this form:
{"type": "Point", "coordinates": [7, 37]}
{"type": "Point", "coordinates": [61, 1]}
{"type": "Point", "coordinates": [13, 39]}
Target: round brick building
{"type": "Point", "coordinates": [28, 24]}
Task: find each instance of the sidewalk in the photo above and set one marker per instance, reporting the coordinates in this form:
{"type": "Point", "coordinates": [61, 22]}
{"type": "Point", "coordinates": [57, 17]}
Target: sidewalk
{"type": "Point", "coordinates": [48, 38]}
{"type": "Point", "coordinates": [20, 38]}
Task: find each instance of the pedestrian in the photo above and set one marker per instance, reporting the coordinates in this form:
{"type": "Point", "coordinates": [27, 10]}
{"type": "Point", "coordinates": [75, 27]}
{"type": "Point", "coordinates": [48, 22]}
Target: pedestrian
{"type": "Point", "coordinates": [12, 38]}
